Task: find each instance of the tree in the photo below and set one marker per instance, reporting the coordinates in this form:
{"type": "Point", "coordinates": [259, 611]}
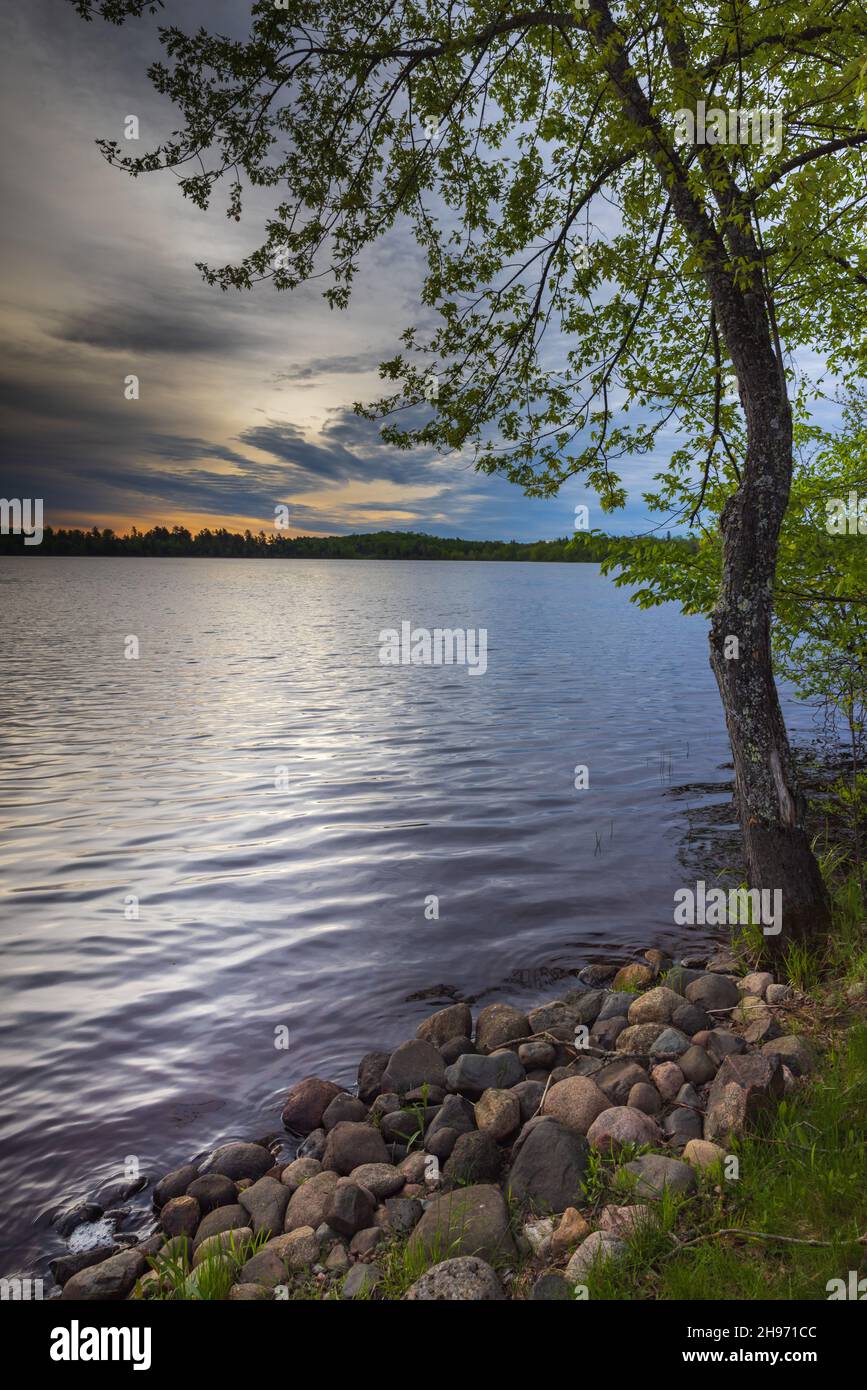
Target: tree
{"type": "Point", "coordinates": [726, 137]}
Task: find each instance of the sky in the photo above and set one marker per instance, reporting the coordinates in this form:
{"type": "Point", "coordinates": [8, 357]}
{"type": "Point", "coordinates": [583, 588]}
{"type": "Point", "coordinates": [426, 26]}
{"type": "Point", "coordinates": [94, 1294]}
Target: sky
{"type": "Point", "coordinates": [245, 398]}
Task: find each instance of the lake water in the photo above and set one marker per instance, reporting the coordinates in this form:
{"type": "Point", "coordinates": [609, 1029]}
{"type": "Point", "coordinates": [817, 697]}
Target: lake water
{"type": "Point", "coordinates": [282, 805]}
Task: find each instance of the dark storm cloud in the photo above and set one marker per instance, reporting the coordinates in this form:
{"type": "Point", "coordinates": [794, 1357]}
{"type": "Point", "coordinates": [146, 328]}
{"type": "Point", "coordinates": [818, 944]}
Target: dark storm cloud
{"type": "Point", "coordinates": [348, 365]}
{"type": "Point", "coordinates": [149, 323]}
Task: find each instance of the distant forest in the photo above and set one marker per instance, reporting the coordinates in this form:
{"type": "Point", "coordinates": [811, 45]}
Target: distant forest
{"type": "Point", "coordinates": [161, 541]}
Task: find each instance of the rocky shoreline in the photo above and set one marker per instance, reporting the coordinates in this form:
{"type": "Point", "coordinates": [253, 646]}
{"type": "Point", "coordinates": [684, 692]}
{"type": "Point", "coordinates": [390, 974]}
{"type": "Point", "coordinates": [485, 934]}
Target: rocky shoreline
{"type": "Point", "coordinates": [463, 1166]}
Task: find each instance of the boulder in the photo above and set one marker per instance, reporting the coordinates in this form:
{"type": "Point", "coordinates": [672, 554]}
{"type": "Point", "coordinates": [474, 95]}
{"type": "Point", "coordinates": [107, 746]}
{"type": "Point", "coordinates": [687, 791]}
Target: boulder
{"type": "Point", "coordinates": [112, 1279]}
{"type": "Point", "coordinates": [617, 1078]}
{"type": "Point", "coordinates": [639, 1038]}
{"type": "Point", "coordinates": [744, 1087]}
{"type": "Point", "coordinates": [498, 1114]}
{"type": "Point", "coordinates": [382, 1179]}
{"type": "Point", "coordinates": [643, 1096]}
{"type": "Point", "coordinates": [702, 1154]}
{"type": "Point", "coordinates": [228, 1218]}
{"type": "Point", "coordinates": [690, 1019]}
{"type": "Point", "coordinates": [343, 1107]}
{"type": "Point", "coordinates": [454, 1021]}
{"type": "Point", "coordinates": [361, 1281]}
{"type": "Point", "coordinates": [697, 1065]}
{"type": "Point", "coordinates": [668, 1078]}
{"type": "Point", "coordinates": [537, 1055]}
{"type": "Point", "coordinates": [294, 1174]}
{"type": "Point", "coordinates": [308, 1205]}
{"type": "Point", "coordinates": [472, 1074]}
{"type": "Point", "coordinates": [238, 1161]}
{"type": "Point", "coordinates": [223, 1243]}
{"type": "Point", "coordinates": [370, 1070]}
{"type": "Point", "coordinates": [797, 1054]}
{"type": "Point", "coordinates": [656, 1172]}
{"type": "Point", "coordinates": [634, 977]}
{"type": "Point", "coordinates": [557, 1019]}
{"type": "Point", "coordinates": [712, 992]}
{"type": "Point", "coordinates": [412, 1064]}
{"type": "Point", "coordinates": [498, 1024]}
{"type": "Point", "coordinates": [529, 1095]}
{"type": "Point", "coordinates": [656, 1006]}
{"type": "Point", "coordinates": [548, 1169]}
{"type": "Point", "coordinates": [466, 1280]}
{"type": "Point", "coordinates": [350, 1209]}
{"type": "Point", "coordinates": [468, 1221]}
{"type": "Point", "coordinates": [350, 1144]}
{"type": "Point", "coordinates": [606, 1031]}
{"type": "Point", "coordinates": [180, 1217]}
{"type": "Point", "coordinates": [475, 1158]}
{"type": "Point", "coordinates": [587, 1004]}
{"type": "Point", "coordinates": [175, 1184]}
{"type": "Point", "coordinates": [570, 1232]}
{"type": "Point", "coordinates": [721, 1044]}
{"type": "Point", "coordinates": [455, 1048]}
{"type": "Point", "coordinates": [211, 1191]}
{"type": "Point", "coordinates": [303, 1109]}
{"type": "Point", "coordinates": [616, 1004]}
{"type": "Point", "coordinates": [279, 1257]}
{"type": "Point", "coordinates": [670, 1043]}
{"type": "Point", "coordinates": [620, 1126]}
{"type": "Point", "coordinates": [623, 1221]}
{"type": "Point", "coordinates": [757, 983]}
{"type": "Point", "coordinates": [598, 1248]}
{"type": "Point", "coordinates": [266, 1201]}
{"type": "Point", "coordinates": [575, 1103]}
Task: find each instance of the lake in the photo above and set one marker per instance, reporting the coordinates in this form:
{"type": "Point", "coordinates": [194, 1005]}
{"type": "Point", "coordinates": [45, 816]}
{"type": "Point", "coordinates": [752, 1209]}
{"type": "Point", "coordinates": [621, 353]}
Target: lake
{"type": "Point", "coordinates": [243, 831]}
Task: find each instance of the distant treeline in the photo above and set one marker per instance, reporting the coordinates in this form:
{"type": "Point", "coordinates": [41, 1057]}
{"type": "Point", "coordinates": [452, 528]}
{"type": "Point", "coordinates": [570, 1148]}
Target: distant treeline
{"type": "Point", "coordinates": [377, 545]}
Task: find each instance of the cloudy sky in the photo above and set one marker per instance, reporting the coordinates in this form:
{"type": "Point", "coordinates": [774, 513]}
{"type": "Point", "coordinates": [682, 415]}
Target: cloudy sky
{"type": "Point", "coordinates": [246, 399]}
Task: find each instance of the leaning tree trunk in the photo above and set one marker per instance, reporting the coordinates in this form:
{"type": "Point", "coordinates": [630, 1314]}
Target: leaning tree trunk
{"type": "Point", "coordinates": [770, 807]}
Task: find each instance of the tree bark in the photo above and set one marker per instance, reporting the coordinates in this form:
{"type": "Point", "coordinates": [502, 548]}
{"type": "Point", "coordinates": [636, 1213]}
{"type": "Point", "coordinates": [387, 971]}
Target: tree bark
{"type": "Point", "coordinates": [770, 806]}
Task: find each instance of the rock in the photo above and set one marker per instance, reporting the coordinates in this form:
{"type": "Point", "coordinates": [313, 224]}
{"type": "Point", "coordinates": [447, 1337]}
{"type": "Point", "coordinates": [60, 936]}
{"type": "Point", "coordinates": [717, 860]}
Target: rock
{"type": "Point", "coordinates": [343, 1107]}
{"type": "Point", "coordinates": [471, 1075]}
{"type": "Point", "coordinates": [337, 1260]}
{"type": "Point", "coordinates": [412, 1064]}
{"type": "Point", "coordinates": [670, 1043]}
{"type": "Point", "coordinates": [455, 1048]}
{"type": "Point", "coordinates": [498, 1024]}
{"type": "Point", "coordinates": [541, 1055]}
{"type": "Point", "coordinates": [548, 1169]}
{"type": "Point", "coordinates": [247, 1293]}
{"type": "Point", "coordinates": [762, 1030]}
{"type": "Point", "coordinates": [643, 1096]}
{"type": "Point", "coordinates": [620, 1126]}
{"type": "Point", "coordinates": [680, 976]}
{"type": "Point", "coordinates": [655, 1172]}
{"type": "Point", "coordinates": [573, 1228]}
{"type": "Point", "coordinates": [180, 1217]}
{"type": "Point", "coordinates": [455, 1021]}
{"type": "Point", "coordinates": [498, 1114]}
{"type": "Point", "coordinates": [413, 1167]}
{"type": "Point", "coordinates": [224, 1242]}
{"type": "Point", "coordinates": [314, 1145]}
{"type": "Point", "coordinates": [466, 1280]}
{"type": "Point", "coordinates": [712, 992]}
{"type": "Point", "coordinates": [468, 1221]}
{"type": "Point", "coordinates": [228, 1218]}
{"type": "Point", "coordinates": [668, 1078]}
{"type": "Point", "coordinates": [296, 1250]}
{"type": "Point", "coordinates": [64, 1266]}
{"type": "Point", "coordinates": [365, 1241]}
{"type": "Point", "coordinates": [757, 983]}
{"type": "Point", "coordinates": [294, 1174]}
{"type": "Point", "coordinates": [529, 1095]}
{"type": "Point", "coordinates": [175, 1184]}
{"type": "Point", "coordinates": [617, 1078]}
{"type": "Point", "coordinates": [702, 1154]}
{"type": "Point", "coordinates": [442, 1143]}
{"type": "Point", "coordinates": [656, 1006]}
{"type": "Point", "coordinates": [551, 1285]}
{"type": "Point", "coordinates": [538, 1235]}
{"type": "Point", "coordinates": [616, 1004]}
{"type": "Point", "coordinates": [797, 1055]}
{"type": "Point", "coordinates": [239, 1161]}
{"type": "Point", "coordinates": [406, 1126]}
{"type": "Point", "coordinates": [721, 1044]}
{"type": "Point", "coordinates": [403, 1214]}
{"type": "Point", "coordinates": [744, 1086]}
{"type": "Point", "coordinates": [681, 1126]}
{"type": "Point", "coordinates": [606, 1033]}
{"type": "Point", "coordinates": [113, 1192]}
{"type": "Point", "coordinates": [83, 1212]}
{"type": "Point", "coordinates": [598, 973]}
{"type": "Point", "coordinates": [475, 1158]}
{"type": "Point", "coordinates": [304, 1107]}
{"type": "Point", "coordinates": [778, 994]}
{"type": "Point", "coordinates": [723, 963]}
{"type": "Point", "coordinates": [266, 1201]}
{"type": "Point", "coordinates": [634, 977]}
{"type": "Point", "coordinates": [694, 962]}
{"type": "Point", "coordinates": [351, 1208]}
{"type": "Point", "coordinates": [598, 1248]}
{"type": "Point", "coordinates": [586, 1004]}
{"type": "Point", "coordinates": [558, 1019]}
{"type": "Point", "coordinates": [212, 1191]}
{"type": "Point", "coordinates": [690, 1019]}
{"type": "Point", "coordinates": [350, 1144]}
{"type": "Point", "coordinates": [309, 1203]}
{"type": "Point", "coordinates": [697, 1065]}
{"type": "Point", "coordinates": [623, 1221]}
{"type": "Point", "coordinates": [575, 1103]}
{"type": "Point", "coordinates": [370, 1070]}
{"type": "Point", "coordinates": [639, 1037]}
{"type": "Point", "coordinates": [750, 1009]}
{"type": "Point", "coordinates": [361, 1281]}
{"type": "Point", "coordinates": [111, 1279]}
{"type": "Point", "coordinates": [382, 1179]}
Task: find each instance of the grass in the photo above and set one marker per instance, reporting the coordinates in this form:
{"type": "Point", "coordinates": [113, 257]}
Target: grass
{"type": "Point", "coordinates": [209, 1281]}
{"type": "Point", "coordinates": [803, 1175]}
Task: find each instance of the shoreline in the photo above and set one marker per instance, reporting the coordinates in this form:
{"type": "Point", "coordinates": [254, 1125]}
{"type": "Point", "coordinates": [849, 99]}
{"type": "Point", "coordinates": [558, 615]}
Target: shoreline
{"type": "Point", "coordinates": [509, 1156]}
